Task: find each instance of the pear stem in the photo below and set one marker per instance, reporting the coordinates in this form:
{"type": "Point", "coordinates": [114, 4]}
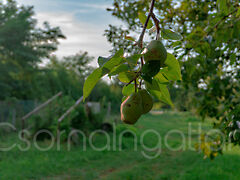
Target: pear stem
{"type": "Point", "coordinates": [135, 83]}
{"type": "Point", "coordinates": [140, 40]}
{"type": "Point", "coordinates": [156, 22]}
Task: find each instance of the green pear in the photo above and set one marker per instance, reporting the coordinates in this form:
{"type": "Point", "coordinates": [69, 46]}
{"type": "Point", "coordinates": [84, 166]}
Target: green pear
{"type": "Point", "coordinates": [155, 52]}
{"type": "Point", "coordinates": [147, 101]}
{"type": "Point", "coordinates": [131, 108]}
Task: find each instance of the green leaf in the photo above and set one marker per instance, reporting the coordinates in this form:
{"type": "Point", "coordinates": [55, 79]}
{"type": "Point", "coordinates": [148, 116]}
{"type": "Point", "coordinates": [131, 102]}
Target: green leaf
{"type": "Point", "coordinates": [154, 85]}
{"type": "Point", "coordinates": [142, 17]}
{"type": "Point", "coordinates": [238, 12]}
{"type": "Point", "coordinates": [156, 81]}
{"type": "Point", "coordinates": [126, 77]}
{"type": "Point", "coordinates": [172, 71]}
{"type": "Point", "coordinates": [119, 53]}
{"type": "Point", "coordinates": [103, 60]}
{"type": "Point", "coordinates": [130, 38]}
{"type": "Point", "coordinates": [165, 97]}
{"type": "Point", "coordinates": [115, 60]}
{"type": "Point", "coordinates": [161, 79]}
{"type": "Point", "coordinates": [98, 73]}
{"type": "Point", "coordinates": [92, 80]}
{"type": "Point", "coordinates": [132, 60]}
{"type": "Point", "coordinates": [128, 90]}
{"type": "Point", "coordinates": [169, 34]}
{"type": "Point", "coordinates": [118, 69]}
{"type": "Point", "coordinates": [162, 95]}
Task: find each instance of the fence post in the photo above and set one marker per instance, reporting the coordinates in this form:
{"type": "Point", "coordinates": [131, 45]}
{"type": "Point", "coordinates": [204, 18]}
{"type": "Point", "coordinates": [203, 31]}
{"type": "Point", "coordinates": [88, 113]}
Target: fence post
{"type": "Point", "coordinates": [37, 109]}
{"type": "Point", "coordinates": [69, 111]}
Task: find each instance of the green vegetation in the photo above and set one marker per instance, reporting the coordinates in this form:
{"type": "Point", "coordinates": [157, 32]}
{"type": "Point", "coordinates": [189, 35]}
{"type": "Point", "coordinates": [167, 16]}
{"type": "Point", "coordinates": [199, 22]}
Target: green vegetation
{"type": "Point", "coordinates": [126, 164]}
{"type": "Point", "coordinates": [150, 69]}
{"type": "Point", "coordinates": [29, 70]}
{"type": "Point", "coordinates": [207, 51]}
{"type": "Point", "coordinates": [189, 60]}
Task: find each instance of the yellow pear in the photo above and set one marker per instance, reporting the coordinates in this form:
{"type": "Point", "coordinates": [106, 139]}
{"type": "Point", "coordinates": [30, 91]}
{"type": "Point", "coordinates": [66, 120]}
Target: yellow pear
{"type": "Point", "coordinates": [155, 52]}
{"type": "Point", "coordinates": [131, 108]}
{"type": "Point", "coordinates": [147, 101]}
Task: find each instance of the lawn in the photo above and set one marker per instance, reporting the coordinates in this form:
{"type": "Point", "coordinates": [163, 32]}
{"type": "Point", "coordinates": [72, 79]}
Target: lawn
{"type": "Point", "coordinates": [77, 163]}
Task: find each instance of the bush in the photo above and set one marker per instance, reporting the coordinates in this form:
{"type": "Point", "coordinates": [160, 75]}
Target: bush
{"type": "Point", "coordinates": [77, 119]}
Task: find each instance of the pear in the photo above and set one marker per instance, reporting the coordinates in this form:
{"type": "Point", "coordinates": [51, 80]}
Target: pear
{"type": "Point", "coordinates": [147, 101]}
{"type": "Point", "coordinates": [131, 108]}
{"type": "Point", "coordinates": [156, 52]}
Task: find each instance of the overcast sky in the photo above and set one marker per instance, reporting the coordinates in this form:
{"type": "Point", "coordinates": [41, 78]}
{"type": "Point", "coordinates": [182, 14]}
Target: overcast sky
{"type": "Point", "coordinates": [82, 21]}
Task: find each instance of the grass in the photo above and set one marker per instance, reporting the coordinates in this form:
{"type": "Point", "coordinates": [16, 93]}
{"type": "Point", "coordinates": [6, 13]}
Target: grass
{"type": "Point", "coordinates": [126, 164]}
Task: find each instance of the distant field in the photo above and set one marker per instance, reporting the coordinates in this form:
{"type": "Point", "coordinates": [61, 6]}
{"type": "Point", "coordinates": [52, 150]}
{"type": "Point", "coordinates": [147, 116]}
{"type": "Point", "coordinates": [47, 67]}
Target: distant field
{"type": "Point", "coordinates": [126, 164]}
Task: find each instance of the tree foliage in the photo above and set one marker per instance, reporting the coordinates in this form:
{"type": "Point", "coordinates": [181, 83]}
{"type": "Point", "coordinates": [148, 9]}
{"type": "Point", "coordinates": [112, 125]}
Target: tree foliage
{"type": "Point", "coordinates": [29, 71]}
{"type": "Point", "coordinates": [208, 52]}
{"type": "Point", "coordinates": [22, 47]}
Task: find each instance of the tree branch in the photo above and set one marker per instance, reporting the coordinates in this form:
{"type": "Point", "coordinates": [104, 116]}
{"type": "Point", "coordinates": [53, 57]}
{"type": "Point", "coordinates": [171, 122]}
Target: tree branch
{"type": "Point", "coordinates": [135, 84]}
{"type": "Point", "coordinates": [140, 40]}
{"type": "Point", "coordinates": [223, 18]}
{"type": "Point", "coordinates": [137, 75]}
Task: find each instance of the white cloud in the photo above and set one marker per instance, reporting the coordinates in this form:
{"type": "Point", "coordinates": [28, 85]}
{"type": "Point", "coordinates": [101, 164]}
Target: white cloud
{"type": "Point", "coordinates": [79, 22]}
{"type": "Point", "coordinates": [96, 6]}
{"type": "Point", "coordinates": [99, 6]}
{"type": "Point", "coordinates": [80, 36]}
{"type": "Point", "coordinates": [80, 5]}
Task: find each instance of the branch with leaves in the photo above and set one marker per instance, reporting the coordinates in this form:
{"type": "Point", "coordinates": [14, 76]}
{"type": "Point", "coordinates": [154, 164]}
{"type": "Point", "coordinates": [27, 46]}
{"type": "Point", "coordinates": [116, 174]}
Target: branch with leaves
{"type": "Point", "coordinates": [223, 19]}
{"type": "Point", "coordinates": [156, 70]}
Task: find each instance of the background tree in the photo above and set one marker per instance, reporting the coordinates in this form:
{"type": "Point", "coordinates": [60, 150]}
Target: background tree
{"type": "Point", "coordinates": [66, 74]}
{"type": "Point", "coordinates": [22, 47]}
{"type": "Point", "coordinates": [28, 70]}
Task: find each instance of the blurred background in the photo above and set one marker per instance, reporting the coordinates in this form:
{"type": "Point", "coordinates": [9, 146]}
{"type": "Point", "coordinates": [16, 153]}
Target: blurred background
{"type": "Point", "coordinates": [49, 47]}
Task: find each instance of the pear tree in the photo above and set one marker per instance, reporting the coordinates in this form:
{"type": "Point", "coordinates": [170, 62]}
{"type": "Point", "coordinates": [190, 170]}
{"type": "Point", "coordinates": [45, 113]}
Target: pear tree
{"type": "Point", "coordinates": [145, 73]}
{"type": "Point", "coordinates": [208, 53]}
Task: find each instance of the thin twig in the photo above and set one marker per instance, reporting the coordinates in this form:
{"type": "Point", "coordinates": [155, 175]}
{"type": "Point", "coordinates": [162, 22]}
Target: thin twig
{"type": "Point", "coordinates": [130, 81]}
{"type": "Point", "coordinates": [135, 83]}
{"type": "Point", "coordinates": [137, 75]}
{"type": "Point", "coordinates": [140, 84]}
{"type": "Point", "coordinates": [141, 60]}
{"type": "Point", "coordinates": [221, 20]}
{"type": "Point", "coordinates": [140, 40]}
{"type": "Point", "coordinates": [156, 22]}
